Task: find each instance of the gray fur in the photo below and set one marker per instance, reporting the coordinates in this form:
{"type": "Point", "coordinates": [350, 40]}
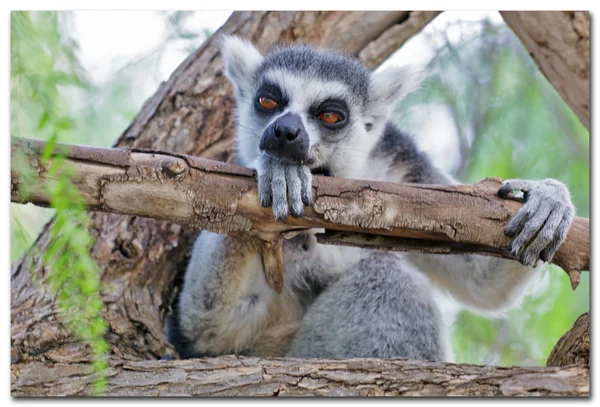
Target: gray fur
{"type": "Point", "coordinates": [326, 65]}
{"type": "Point", "coordinates": [380, 308]}
{"type": "Point", "coordinates": [276, 178]}
{"type": "Point", "coordinates": [542, 224]}
{"type": "Point", "coordinates": [407, 163]}
{"type": "Point", "coordinates": [352, 302]}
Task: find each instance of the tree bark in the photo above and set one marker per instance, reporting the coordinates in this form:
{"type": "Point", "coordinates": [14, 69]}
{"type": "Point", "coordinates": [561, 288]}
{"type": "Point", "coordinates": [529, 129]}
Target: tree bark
{"type": "Point", "coordinates": [574, 346]}
{"type": "Point", "coordinates": [246, 376]}
{"type": "Point", "coordinates": [559, 42]}
{"type": "Point", "coordinates": [222, 198]}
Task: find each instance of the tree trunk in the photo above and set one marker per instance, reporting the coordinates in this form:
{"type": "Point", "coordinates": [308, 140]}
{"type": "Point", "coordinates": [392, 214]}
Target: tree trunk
{"type": "Point", "coordinates": [559, 42]}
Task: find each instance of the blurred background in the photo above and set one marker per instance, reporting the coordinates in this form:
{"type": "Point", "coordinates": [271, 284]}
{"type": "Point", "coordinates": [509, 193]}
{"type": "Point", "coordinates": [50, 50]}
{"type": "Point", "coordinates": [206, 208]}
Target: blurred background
{"type": "Point", "coordinates": [484, 109]}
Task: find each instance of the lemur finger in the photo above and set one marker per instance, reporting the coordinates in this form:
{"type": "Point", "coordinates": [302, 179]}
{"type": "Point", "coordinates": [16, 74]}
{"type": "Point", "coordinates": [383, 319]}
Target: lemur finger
{"type": "Point", "coordinates": [531, 227]}
{"type": "Point", "coordinates": [515, 184]}
{"type": "Point", "coordinates": [516, 224]}
{"type": "Point", "coordinates": [544, 237]}
{"type": "Point", "coordinates": [264, 184]}
{"type": "Point", "coordinates": [560, 235]}
{"type": "Point", "coordinates": [294, 188]}
{"type": "Point", "coordinates": [279, 191]}
{"type": "Point", "coordinates": [306, 179]}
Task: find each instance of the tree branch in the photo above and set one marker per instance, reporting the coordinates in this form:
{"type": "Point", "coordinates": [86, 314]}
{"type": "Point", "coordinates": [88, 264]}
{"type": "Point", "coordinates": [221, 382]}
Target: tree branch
{"type": "Point", "coordinates": [574, 346]}
{"type": "Point", "coordinates": [559, 42]}
{"type": "Point", "coordinates": [222, 198]}
{"type": "Point", "coordinates": [246, 376]}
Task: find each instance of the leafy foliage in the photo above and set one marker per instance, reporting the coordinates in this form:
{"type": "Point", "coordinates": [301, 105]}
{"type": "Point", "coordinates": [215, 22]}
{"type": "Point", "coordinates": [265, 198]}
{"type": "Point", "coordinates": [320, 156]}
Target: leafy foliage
{"type": "Point", "coordinates": [38, 50]}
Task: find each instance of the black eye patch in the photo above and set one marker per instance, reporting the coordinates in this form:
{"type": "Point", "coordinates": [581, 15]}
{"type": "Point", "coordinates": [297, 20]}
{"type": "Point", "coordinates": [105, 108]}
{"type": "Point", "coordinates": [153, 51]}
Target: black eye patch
{"type": "Point", "coordinates": [271, 91]}
{"type": "Point", "coordinates": [332, 105]}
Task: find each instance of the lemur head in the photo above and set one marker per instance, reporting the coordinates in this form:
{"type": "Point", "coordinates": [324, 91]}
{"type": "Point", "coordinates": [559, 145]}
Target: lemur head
{"type": "Point", "coordinates": [310, 106]}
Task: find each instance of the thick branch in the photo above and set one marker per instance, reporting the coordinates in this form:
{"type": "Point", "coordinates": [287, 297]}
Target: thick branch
{"type": "Point", "coordinates": [559, 42]}
{"type": "Point", "coordinates": [222, 198]}
{"type": "Point", "coordinates": [239, 376]}
{"type": "Point", "coordinates": [391, 39]}
{"type": "Point", "coordinates": [574, 346]}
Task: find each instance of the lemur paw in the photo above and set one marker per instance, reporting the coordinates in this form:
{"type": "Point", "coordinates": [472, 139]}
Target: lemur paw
{"type": "Point", "coordinates": [278, 182]}
{"type": "Point", "coordinates": [541, 225]}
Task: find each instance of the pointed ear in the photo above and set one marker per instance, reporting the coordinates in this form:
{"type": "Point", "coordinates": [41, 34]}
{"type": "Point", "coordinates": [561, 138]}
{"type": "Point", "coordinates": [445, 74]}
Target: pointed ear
{"type": "Point", "coordinates": [241, 60]}
{"type": "Point", "coordinates": [390, 85]}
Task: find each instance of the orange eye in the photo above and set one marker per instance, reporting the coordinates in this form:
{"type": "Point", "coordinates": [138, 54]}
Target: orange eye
{"type": "Point", "coordinates": [329, 117]}
{"type": "Point", "coordinates": [267, 103]}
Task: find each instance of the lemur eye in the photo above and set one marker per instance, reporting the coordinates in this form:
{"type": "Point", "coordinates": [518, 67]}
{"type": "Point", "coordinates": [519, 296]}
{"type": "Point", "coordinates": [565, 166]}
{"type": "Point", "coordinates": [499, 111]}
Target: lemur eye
{"type": "Point", "coordinates": [329, 117]}
{"type": "Point", "coordinates": [267, 103]}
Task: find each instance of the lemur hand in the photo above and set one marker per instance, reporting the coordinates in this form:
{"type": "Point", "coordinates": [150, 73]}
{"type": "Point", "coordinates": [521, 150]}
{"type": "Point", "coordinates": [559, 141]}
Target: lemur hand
{"type": "Point", "coordinates": [541, 226]}
{"type": "Point", "coordinates": [278, 181]}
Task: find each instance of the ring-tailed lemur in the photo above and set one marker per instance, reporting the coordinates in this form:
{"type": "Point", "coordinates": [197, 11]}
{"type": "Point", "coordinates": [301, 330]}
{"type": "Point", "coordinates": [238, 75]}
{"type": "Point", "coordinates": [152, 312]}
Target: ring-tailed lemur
{"type": "Point", "coordinates": [302, 110]}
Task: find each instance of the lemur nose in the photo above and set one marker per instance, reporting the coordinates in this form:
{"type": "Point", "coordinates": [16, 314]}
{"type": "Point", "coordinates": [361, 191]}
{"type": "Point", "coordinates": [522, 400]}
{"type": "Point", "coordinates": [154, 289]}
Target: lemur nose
{"type": "Point", "coordinates": [287, 140]}
{"type": "Point", "coordinates": [290, 133]}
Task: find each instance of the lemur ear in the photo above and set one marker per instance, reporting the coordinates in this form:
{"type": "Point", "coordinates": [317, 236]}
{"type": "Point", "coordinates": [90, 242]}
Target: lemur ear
{"type": "Point", "coordinates": [391, 84]}
{"type": "Point", "coordinates": [241, 60]}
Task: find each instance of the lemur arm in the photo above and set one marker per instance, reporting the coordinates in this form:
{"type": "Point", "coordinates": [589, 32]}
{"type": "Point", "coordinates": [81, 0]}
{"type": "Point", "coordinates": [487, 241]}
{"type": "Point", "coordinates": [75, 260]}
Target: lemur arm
{"type": "Point", "coordinates": [480, 282]}
{"type": "Point", "coordinates": [488, 283]}
{"type": "Point", "coordinates": [226, 305]}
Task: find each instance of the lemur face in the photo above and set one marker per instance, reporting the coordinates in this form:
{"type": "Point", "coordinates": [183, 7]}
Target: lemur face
{"type": "Point", "coordinates": [304, 118]}
{"type": "Point", "coordinates": [307, 106]}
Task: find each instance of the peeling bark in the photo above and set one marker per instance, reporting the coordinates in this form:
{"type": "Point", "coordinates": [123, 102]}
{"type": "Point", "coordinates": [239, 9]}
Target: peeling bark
{"type": "Point", "coordinates": [559, 43]}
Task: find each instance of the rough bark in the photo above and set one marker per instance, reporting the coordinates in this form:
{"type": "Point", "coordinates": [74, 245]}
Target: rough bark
{"type": "Point", "coordinates": [140, 258]}
{"type": "Point", "coordinates": [222, 198]}
{"type": "Point", "coordinates": [574, 346]}
{"type": "Point", "coordinates": [559, 42]}
{"type": "Point", "coordinates": [244, 376]}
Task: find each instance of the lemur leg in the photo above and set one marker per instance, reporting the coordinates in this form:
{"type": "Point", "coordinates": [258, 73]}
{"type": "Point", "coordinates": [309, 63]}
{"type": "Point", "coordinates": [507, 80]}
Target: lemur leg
{"type": "Point", "coordinates": [382, 307]}
{"type": "Point", "coordinates": [226, 305]}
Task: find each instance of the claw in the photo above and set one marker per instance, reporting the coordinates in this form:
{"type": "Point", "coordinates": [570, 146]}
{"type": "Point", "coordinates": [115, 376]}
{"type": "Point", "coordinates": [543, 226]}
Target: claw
{"type": "Point", "coordinates": [266, 200]}
{"type": "Point", "coordinates": [280, 215]}
{"type": "Point", "coordinates": [527, 259]}
{"type": "Point", "coordinates": [296, 212]}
